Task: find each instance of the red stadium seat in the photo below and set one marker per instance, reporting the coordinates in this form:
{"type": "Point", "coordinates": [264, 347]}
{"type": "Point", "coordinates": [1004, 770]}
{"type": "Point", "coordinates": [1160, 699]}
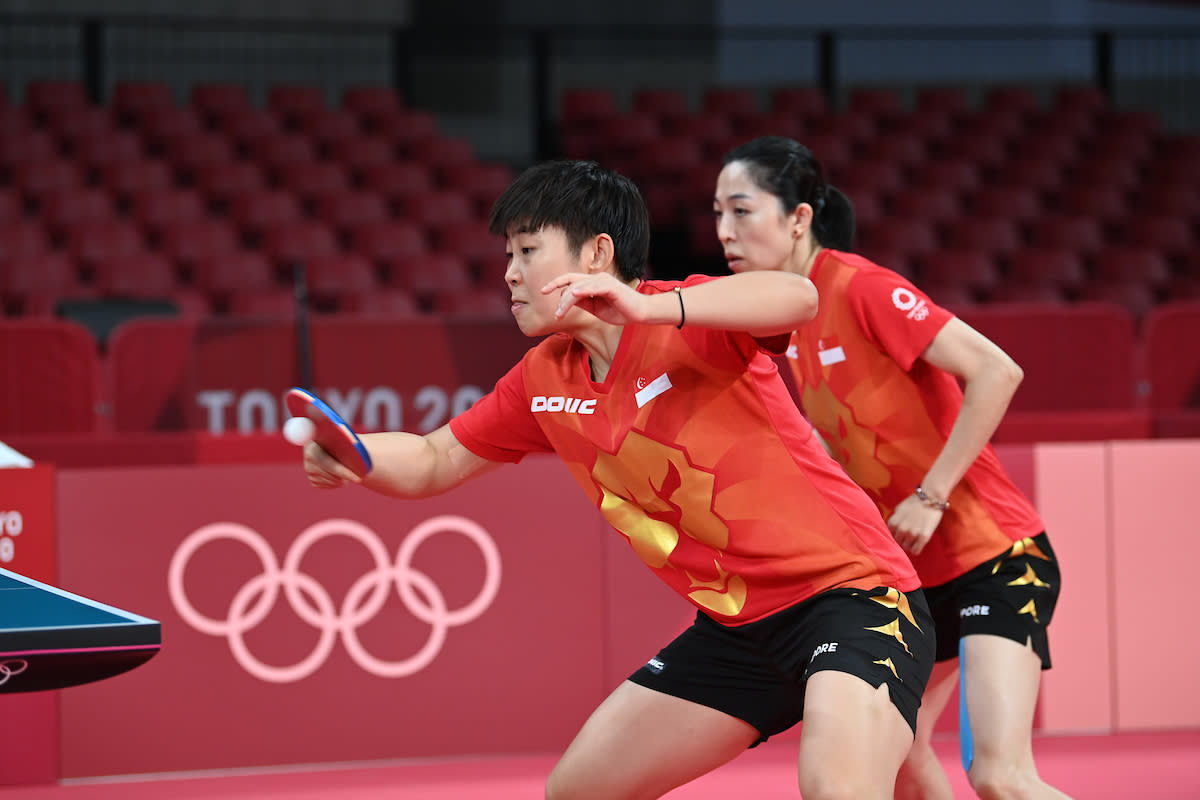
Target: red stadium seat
{"type": "Point", "coordinates": [1019, 203]}
{"type": "Point", "coordinates": [953, 296]}
{"type": "Point", "coordinates": [1135, 296]}
{"type": "Point", "coordinates": [194, 154]}
{"type": "Point", "coordinates": [971, 268]}
{"type": "Point", "coordinates": [390, 245]}
{"type": "Point", "coordinates": [223, 274]}
{"type": "Point", "coordinates": [627, 135]}
{"type": "Point", "coordinates": [398, 181]}
{"type": "Point", "coordinates": [443, 154]}
{"type": "Point", "coordinates": [19, 147]}
{"type": "Point", "coordinates": [291, 101]}
{"type": "Point", "coordinates": [1132, 263]}
{"type": "Point", "coordinates": [274, 303]}
{"type": "Point", "coordinates": [1026, 293]}
{"type": "Point", "coordinates": [254, 211]}
{"type": "Point", "coordinates": [36, 179]}
{"type": "Point", "coordinates": [440, 209]}
{"type": "Point", "coordinates": [282, 152]}
{"type": "Point", "coordinates": [405, 129]}
{"type": "Point", "coordinates": [189, 243]}
{"type": "Point", "coordinates": [733, 102]}
{"type": "Point", "coordinates": [89, 242]}
{"type": "Point", "coordinates": [483, 183]}
{"type": "Point", "coordinates": [1174, 236]}
{"type": "Point", "coordinates": [132, 99]}
{"type": "Point", "coordinates": [478, 301]}
{"type": "Point", "coordinates": [937, 204]}
{"type": "Point", "coordinates": [125, 179]}
{"type": "Point", "coordinates": [220, 182]}
{"type": "Point", "coordinates": [434, 273]}
{"type": "Point", "coordinates": [942, 100]}
{"type": "Point", "coordinates": [347, 209]}
{"type": "Point", "coordinates": [39, 272]}
{"type": "Point", "coordinates": [331, 277]}
{"type": "Point", "coordinates": [144, 274]}
{"type": "Point", "coordinates": [47, 97]}
{"type": "Point", "coordinates": [330, 127]}
{"type": "Point", "coordinates": [1012, 99]}
{"type": "Point", "coordinates": [1060, 348]}
{"type": "Point", "coordinates": [978, 151]}
{"type": "Point", "coordinates": [1085, 97]}
{"type": "Point", "coordinates": [368, 102]}
{"type": "Point", "coordinates": [59, 400]}
{"type": "Point", "coordinates": [12, 207]}
{"type": "Point", "coordinates": [581, 106]}
{"type": "Point", "coordinates": [1083, 234]}
{"type": "Point", "coordinates": [997, 236]}
{"type": "Point", "coordinates": [159, 127]}
{"type": "Point", "coordinates": [804, 102]}
{"type": "Point", "coordinates": [660, 104]}
{"type": "Point", "coordinates": [76, 126]}
{"type": "Point", "coordinates": [483, 251]}
{"type": "Point", "coordinates": [21, 239]}
{"type": "Point", "coordinates": [215, 100]}
{"type": "Point", "coordinates": [66, 208]}
{"type": "Point", "coordinates": [1059, 267]}
{"type": "Point", "coordinates": [300, 241]}
{"type": "Point", "coordinates": [248, 127]}
{"type": "Point", "coordinates": [389, 302]}
{"type": "Point", "coordinates": [314, 180]}
{"type": "Point", "coordinates": [912, 237]}
{"type": "Point", "coordinates": [99, 151]}
{"type": "Point", "coordinates": [363, 155]}
{"type": "Point", "coordinates": [1172, 371]}
{"type": "Point", "coordinates": [879, 102]}
{"type": "Point", "coordinates": [1104, 202]}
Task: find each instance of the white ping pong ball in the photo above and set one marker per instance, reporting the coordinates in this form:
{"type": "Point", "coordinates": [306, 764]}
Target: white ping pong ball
{"type": "Point", "coordinates": [299, 430]}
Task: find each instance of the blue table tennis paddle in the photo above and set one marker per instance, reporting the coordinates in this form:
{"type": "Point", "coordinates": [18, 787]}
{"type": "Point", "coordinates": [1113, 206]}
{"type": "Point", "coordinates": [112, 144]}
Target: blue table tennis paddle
{"type": "Point", "coordinates": [332, 432]}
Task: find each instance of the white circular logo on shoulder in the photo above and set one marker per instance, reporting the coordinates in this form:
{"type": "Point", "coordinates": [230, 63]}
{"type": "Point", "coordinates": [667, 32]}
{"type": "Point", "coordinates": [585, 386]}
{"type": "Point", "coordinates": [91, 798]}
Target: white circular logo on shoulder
{"type": "Point", "coordinates": [903, 299]}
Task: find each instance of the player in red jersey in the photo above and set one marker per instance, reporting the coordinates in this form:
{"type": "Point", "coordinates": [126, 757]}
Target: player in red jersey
{"type": "Point", "coordinates": [666, 406]}
{"type": "Point", "coordinates": [878, 373]}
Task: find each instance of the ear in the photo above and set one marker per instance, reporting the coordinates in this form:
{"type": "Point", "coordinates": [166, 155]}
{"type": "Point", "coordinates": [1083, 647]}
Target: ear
{"type": "Point", "coordinates": [801, 220]}
{"type": "Point", "coordinates": [599, 253]}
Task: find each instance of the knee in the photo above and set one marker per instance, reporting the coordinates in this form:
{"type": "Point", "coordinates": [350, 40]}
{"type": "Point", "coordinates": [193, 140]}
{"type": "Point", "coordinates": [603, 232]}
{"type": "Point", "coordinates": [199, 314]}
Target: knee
{"type": "Point", "coordinates": [1000, 783]}
{"type": "Point", "coordinates": [834, 787]}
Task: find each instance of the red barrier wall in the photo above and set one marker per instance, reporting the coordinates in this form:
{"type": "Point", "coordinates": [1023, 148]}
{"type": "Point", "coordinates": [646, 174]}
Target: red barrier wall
{"type": "Point", "coordinates": [29, 731]}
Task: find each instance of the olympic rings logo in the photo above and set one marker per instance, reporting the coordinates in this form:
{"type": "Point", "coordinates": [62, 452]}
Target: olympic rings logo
{"type": "Point", "coordinates": [14, 666]}
{"type": "Point", "coordinates": [311, 602]}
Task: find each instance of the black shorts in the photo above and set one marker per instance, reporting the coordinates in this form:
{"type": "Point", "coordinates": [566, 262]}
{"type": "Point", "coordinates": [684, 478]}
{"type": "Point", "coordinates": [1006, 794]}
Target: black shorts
{"type": "Point", "coordinates": [1012, 595]}
{"type": "Point", "coordinates": [757, 672]}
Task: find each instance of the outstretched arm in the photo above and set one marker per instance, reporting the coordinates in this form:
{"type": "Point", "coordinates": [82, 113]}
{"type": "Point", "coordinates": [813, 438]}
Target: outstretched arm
{"type": "Point", "coordinates": [405, 464]}
{"type": "Point", "coordinates": [763, 303]}
{"type": "Point", "coordinates": [990, 379]}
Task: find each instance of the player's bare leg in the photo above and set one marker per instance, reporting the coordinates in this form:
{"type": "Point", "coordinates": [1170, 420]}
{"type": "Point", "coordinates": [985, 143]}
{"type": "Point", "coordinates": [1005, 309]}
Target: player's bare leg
{"type": "Point", "coordinates": [640, 744]}
{"type": "Point", "coordinates": [921, 775]}
{"type": "Point", "coordinates": [853, 740]}
{"type": "Point", "coordinates": [1002, 678]}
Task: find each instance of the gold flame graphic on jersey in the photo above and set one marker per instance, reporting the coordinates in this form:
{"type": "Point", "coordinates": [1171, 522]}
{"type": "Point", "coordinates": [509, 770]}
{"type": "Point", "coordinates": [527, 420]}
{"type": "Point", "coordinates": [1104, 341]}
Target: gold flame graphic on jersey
{"type": "Point", "coordinates": [677, 498]}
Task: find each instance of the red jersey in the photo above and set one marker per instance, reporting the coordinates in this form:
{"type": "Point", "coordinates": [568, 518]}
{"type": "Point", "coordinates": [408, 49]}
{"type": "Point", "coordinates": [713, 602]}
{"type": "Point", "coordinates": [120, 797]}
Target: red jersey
{"type": "Point", "coordinates": [694, 450]}
{"type": "Point", "coordinates": [886, 413]}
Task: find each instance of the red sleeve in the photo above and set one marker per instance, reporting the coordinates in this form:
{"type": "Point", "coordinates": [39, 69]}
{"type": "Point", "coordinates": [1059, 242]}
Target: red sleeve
{"type": "Point", "coordinates": [500, 426]}
{"type": "Point", "coordinates": [895, 314]}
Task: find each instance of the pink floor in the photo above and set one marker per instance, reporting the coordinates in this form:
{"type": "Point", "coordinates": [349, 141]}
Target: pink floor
{"type": "Point", "coordinates": [1145, 766]}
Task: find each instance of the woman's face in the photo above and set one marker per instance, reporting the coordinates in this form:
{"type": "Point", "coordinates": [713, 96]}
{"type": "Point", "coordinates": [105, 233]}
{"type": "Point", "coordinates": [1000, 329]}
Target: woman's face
{"type": "Point", "coordinates": [752, 227]}
{"type": "Point", "coordinates": [534, 259]}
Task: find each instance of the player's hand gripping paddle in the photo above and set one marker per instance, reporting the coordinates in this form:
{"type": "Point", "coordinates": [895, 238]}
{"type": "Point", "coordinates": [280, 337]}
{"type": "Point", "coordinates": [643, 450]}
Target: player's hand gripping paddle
{"type": "Point", "coordinates": [329, 430]}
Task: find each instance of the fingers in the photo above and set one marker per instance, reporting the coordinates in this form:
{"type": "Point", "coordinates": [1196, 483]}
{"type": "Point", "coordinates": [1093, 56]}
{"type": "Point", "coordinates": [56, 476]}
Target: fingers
{"type": "Point", "coordinates": [324, 471]}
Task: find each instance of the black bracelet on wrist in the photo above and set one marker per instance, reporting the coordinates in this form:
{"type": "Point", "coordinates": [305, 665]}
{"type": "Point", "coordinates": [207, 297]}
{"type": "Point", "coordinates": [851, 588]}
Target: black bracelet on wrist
{"type": "Point", "coordinates": [940, 505]}
{"type": "Point", "coordinates": [682, 313]}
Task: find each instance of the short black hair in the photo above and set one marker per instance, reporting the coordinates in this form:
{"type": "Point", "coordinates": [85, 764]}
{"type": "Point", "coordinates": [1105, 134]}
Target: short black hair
{"type": "Point", "coordinates": [583, 199]}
